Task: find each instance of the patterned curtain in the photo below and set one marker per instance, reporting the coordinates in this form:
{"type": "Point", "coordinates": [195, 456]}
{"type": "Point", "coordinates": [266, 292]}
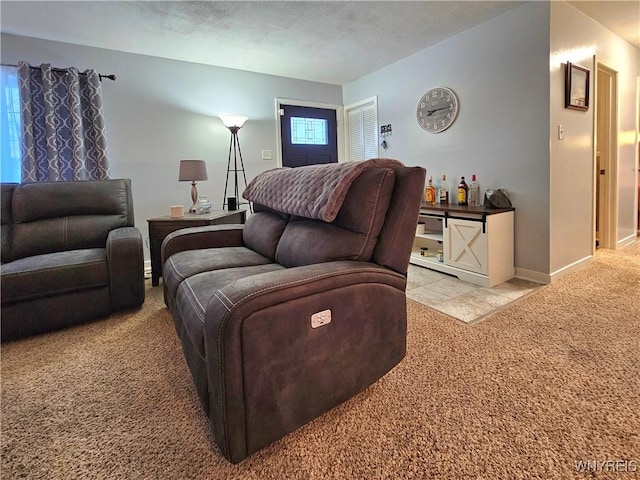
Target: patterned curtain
{"type": "Point", "coordinates": [62, 124]}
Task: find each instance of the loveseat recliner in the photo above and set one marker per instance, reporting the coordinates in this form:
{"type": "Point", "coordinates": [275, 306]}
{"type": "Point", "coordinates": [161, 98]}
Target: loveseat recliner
{"type": "Point", "coordinates": [70, 254]}
{"type": "Point", "coordinates": [301, 308]}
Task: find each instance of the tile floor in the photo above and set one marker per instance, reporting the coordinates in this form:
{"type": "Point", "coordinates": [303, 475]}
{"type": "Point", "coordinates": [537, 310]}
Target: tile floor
{"type": "Point", "coordinates": [459, 299]}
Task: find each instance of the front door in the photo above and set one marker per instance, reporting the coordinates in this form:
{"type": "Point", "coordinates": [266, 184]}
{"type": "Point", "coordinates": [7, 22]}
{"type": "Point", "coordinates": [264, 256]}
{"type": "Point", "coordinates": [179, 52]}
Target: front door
{"type": "Point", "coordinates": [309, 135]}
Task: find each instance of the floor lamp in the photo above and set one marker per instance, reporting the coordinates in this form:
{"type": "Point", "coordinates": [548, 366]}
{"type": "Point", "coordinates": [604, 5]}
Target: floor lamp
{"type": "Point", "coordinates": [234, 123]}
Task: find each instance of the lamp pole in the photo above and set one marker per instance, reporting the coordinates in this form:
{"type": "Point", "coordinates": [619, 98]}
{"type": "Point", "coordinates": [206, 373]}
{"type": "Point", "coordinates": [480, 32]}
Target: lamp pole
{"type": "Point", "coordinates": [234, 123]}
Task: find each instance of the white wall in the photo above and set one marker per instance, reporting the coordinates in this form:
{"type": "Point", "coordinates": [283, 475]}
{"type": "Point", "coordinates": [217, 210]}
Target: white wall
{"type": "Point", "coordinates": [576, 37]}
{"type": "Point", "coordinates": [508, 77]}
{"type": "Point", "coordinates": [499, 70]}
{"type": "Point", "coordinates": [160, 111]}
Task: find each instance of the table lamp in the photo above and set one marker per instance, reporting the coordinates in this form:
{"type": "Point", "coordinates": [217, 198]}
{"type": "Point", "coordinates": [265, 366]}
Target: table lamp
{"type": "Point", "coordinates": [192, 171]}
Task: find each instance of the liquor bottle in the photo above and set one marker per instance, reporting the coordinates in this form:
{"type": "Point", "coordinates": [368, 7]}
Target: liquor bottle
{"type": "Point", "coordinates": [463, 192]}
{"type": "Point", "coordinates": [444, 191]}
{"type": "Point", "coordinates": [431, 192]}
{"type": "Point", "coordinates": [474, 192]}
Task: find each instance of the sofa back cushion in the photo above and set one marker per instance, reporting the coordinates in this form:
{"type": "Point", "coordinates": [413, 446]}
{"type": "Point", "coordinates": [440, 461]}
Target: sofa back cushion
{"type": "Point", "coordinates": [354, 232]}
{"type": "Point", "coordinates": [263, 229]}
{"type": "Point", "coordinates": [57, 216]}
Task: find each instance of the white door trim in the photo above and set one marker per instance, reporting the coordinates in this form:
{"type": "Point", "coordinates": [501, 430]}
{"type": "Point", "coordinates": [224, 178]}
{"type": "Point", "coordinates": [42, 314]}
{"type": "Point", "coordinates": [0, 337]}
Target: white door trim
{"type": "Point", "coordinates": [304, 103]}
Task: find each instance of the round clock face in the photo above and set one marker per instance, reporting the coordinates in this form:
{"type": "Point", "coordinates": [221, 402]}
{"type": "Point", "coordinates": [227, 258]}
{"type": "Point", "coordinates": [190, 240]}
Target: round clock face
{"type": "Point", "coordinates": [437, 109]}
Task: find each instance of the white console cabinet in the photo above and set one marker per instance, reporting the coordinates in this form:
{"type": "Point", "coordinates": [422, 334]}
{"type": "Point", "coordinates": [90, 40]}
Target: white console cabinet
{"type": "Point", "coordinates": [476, 243]}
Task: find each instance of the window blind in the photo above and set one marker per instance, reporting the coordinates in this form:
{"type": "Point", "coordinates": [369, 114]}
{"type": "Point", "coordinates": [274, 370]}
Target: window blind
{"type": "Point", "coordinates": [362, 123]}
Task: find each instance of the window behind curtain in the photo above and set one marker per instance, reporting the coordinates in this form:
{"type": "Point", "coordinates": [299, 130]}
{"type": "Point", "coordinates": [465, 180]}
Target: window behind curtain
{"type": "Point", "coordinates": [10, 126]}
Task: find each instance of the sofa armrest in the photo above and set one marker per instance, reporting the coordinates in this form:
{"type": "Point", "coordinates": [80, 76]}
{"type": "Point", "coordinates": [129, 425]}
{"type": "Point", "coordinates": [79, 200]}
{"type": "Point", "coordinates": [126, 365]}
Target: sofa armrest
{"type": "Point", "coordinates": [192, 238]}
{"type": "Point", "coordinates": [271, 369]}
{"type": "Point", "coordinates": [126, 267]}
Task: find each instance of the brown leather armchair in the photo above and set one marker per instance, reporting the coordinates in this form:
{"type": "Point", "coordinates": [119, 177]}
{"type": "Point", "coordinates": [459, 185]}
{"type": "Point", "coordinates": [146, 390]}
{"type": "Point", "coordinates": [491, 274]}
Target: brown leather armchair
{"type": "Point", "coordinates": [289, 315]}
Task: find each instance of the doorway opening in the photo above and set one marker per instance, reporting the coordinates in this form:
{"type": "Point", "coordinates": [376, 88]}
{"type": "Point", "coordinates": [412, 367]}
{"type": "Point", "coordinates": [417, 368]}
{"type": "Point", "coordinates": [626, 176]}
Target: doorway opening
{"type": "Point", "coordinates": [606, 160]}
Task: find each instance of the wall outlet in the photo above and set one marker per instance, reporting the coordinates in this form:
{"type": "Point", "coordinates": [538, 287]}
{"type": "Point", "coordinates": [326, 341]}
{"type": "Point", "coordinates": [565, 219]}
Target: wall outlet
{"type": "Point", "coordinates": [560, 132]}
{"type": "Point", "coordinates": [267, 155]}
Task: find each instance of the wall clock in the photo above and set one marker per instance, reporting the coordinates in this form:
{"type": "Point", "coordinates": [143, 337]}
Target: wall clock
{"type": "Point", "coordinates": [437, 109]}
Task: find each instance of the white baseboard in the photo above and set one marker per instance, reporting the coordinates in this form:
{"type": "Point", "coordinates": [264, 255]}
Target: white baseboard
{"type": "Point", "coordinates": [532, 276]}
{"type": "Point", "coordinates": [546, 278]}
{"type": "Point", "coordinates": [626, 241]}
{"type": "Point", "coordinates": [572, 267]}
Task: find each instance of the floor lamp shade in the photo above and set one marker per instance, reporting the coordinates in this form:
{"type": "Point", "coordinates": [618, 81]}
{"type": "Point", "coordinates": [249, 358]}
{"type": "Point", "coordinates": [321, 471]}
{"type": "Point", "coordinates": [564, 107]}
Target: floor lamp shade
{"type": "Point", "coordinates": [233, 121]}
{"type": "Point", "coordinates": [192, 171]}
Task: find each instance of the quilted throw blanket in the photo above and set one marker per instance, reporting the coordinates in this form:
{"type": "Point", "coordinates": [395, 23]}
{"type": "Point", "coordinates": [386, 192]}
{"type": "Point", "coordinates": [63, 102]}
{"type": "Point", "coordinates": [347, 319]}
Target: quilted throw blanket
{"type": "Point", "coordinates": [315, 191]}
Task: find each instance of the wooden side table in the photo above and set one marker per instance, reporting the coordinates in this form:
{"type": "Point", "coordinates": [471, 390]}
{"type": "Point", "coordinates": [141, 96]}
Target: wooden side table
{"type": "Point", "coordinates": [160, 227]}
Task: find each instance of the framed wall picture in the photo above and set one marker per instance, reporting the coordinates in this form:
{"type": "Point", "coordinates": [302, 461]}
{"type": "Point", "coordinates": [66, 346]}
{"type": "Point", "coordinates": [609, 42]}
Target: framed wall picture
{"type": "Point", "coordinates": [576, 93]}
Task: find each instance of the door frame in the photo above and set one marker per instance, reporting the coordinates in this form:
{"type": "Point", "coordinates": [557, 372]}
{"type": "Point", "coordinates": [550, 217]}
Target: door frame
{"type": "Point", "coordinates": [608, 227]}
{"type": "Point", "coordinates": [339, 109]}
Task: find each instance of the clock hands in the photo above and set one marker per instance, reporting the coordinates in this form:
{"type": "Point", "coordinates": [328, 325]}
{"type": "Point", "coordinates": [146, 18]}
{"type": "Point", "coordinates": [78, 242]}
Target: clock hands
{"type": "Point", "coordinates": [431, 112]}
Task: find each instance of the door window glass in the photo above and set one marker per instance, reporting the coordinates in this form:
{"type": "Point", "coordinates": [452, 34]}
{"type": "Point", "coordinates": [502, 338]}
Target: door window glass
{"type": "Point", "coordinates": [309, 131]}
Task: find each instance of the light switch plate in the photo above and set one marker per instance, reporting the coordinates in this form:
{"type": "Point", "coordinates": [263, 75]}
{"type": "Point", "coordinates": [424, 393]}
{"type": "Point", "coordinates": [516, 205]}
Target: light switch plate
{"type": "Point", "coordinates": [267, 155]}
{"type": "Point", "coordinates": [320, 319]}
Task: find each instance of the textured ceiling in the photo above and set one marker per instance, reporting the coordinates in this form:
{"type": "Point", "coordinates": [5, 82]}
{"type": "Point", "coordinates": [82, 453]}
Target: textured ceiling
{"type": "Point", "coordinates": [332, 42]}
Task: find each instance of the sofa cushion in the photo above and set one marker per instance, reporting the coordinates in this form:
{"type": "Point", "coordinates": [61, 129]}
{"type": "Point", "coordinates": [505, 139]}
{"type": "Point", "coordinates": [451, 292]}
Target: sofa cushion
{"type": "Point", "coordinates": [354, 232]}
{"type": "Point", "coordinates": [195, 292]}
{"type": "Point", "coordinates": [105, 197]}
{"type": "Point", "coordinates": [53, 274]}
{"type": "Point", "coordinates": [262, 232]}
{"type": "Point", "coordinates": [56, 216]}
{"type": "Point", "coordinates": [191, 262]}
{"type": "Point", "coordinates": [60, 234]}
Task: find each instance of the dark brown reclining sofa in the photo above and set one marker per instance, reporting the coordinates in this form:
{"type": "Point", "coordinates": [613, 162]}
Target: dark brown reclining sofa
{"type": "Point", "coordinates": [301, 308]}
{"type": "Point", "coordinates": [70, 254]}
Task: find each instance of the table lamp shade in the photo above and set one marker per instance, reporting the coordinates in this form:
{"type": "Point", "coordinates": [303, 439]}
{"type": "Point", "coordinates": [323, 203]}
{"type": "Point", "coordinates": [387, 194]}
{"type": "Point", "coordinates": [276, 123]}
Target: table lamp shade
{"type": "Point", "coordinates": [192, 170]}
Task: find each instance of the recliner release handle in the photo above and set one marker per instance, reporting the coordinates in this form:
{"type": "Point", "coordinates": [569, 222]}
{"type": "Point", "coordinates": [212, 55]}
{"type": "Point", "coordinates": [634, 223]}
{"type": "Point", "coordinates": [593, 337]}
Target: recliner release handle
{"type": "Point", "coordinates": [320, 319]}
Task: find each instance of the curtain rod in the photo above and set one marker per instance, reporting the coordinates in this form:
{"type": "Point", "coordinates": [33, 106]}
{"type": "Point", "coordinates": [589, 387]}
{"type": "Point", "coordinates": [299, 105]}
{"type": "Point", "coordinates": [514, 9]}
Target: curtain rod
{"type": "Point", "coordinates": [111, 76]}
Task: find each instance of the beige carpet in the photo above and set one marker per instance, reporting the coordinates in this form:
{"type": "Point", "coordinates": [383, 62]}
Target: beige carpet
{"type": "Point", "coordinates": [542, 384]}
